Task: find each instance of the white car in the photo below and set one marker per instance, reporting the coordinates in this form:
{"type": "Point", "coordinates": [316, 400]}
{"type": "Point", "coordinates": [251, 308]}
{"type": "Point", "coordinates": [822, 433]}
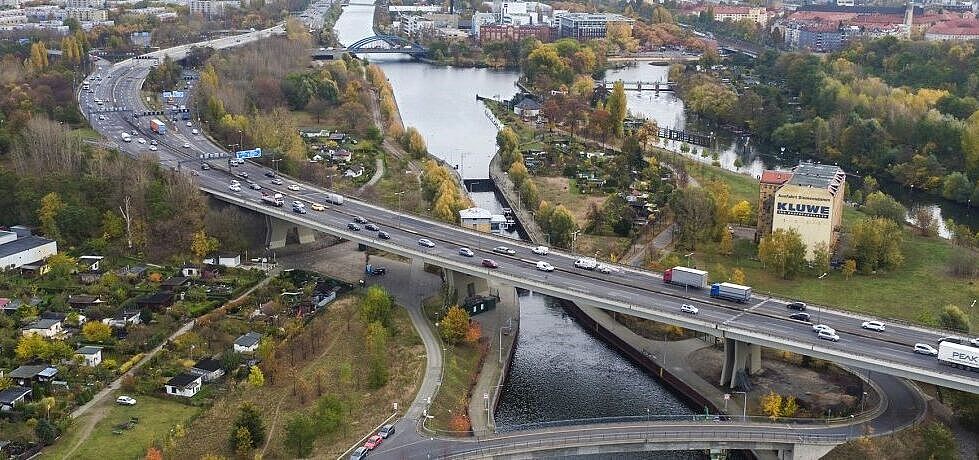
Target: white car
{"type": "Point", "coordinates": [540, 250]}
{"type": "Point", "coordinates": [298, 204]}
{"type": "Point", "coordinates": [873, 326]}
{"type": "Point", "coordinates": [154, 148]}
{"type": "Point", "coordinates": [141, 140]}
{"type": "Point", "coordinates": [189, 124]}
{"type": "Point", "coordinates": [426, 242]}
{"type": "Point", "coordinates": [126, 401]}
{"type": "Point", "coordinates": [974, 342]}
{"type": "Point", "coordinates": [687, 308]}
{"type": "Point", "coordinates": [235, 187]}
{"type": "Point", "coordinates": [823, 327]}
{"type": "Point", "coordinates": [604, 268]}
{"type": "Point", "coordinates": [186, 145]}
{"type": "Point", "coordinates": [466, 252]}
{"type": "Point", "coordinates": [925, 349]}
{"type": "Point", "coordinates": [504, 250]}
{"type": "Point", "coordinates": [195, 131]}
{"type": "Point", "coordinates": [294, 187]}
{"type": "Point", "coordinates": [545, 267]}
{"type": "Point", "coordinates": [828, 335]}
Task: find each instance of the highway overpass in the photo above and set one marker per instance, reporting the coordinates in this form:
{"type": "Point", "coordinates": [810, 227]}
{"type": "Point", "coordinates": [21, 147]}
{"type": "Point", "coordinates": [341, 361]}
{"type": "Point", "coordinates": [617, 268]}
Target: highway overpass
{"type": "Point", "coordinates": [761, 322]}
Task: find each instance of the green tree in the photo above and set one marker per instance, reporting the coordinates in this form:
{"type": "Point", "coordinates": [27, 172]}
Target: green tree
{"type": "Point", "coordinates": [455, 324]}
{"type": "Point", "coordinates": [616, 106]}
{"type": "Point", "coordinates": [820, 257]}
{"type": "Point", "coordinates": [879, 204]}
{"type": "Point", "coordinates": [957, 187]}
{"type": "Point", "coordinates": [301, 435]}
{"type": "Point", "coordinates": [51, 206]}
{"type": "Point", "coordinates": [376, 305]}
{"type": "Point", "coordinates": [693, 210]}
{"type": "Point", "coordinates": [414, 143]}
{"type": "Point", "coordinates": [783, 252]}
{"type": "Point", "coordinates": [330, 415]}
{"type": "Point", "coordinates": [876, 244]}
{"type": "Point", "coordinates": [741, 212]}
{"type": "Point", "coordinates": [970, 144]}
{"type": "Point", "coordinates": [938, 442]}
{"type": "Point", "coordinates": [96, 331]}
{"type": "Point", "coordinates": [241, 441]}
{"type": "Point", "coordinates": [557, 222]}
{"type": "Point", "coordinates": [202, 245]}
{"type": "Point", "coordinates": [507, 143]}
{"type": "Point", "coordinates": [952, 317]}
{"type": "Point", "coordinates": [46, 432]}
{"type": "Point", "coordinates": [250, 420]}
{"type": "Point", "coordinates": [726, 246]}
{"type": "Point", "coordinates": [376, 340]}
{"type": "Point", "coordinates": [530, 194]}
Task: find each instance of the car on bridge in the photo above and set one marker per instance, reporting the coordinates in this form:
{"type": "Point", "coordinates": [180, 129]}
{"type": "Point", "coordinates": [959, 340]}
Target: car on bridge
{"type": "Point", "coordinates": [540, 250]}
{"type": "Point", "coordinates": [466, 252]}
{"type": "Point", "coordinates": [925, 349]}
{"type": "Point", "coordinates": [242, 175]}
{"type": "Point", "coordinates": [235, 187]}
{"type": "Point", "coordinates": [544, 266]}
{"type": "Point", "coordinates": [873, 326]}
{"type": "Point", "coordinates": [270, 174]}
{"type": "Point", "coordinates": [154, 148]}
{"type": "Point", "coordinates": [353, 226]}
{"type": "Point", "coordinates": [360, 220]}
{"type": "Point", "coordinates": [317, 207]}
{"type": "Point", "coordinates": [186, 145]}
{"type": "Point", "coordinates": [828, 335]}
{"type": "Point", "coordinates": [372, 227]}
{"type": "Point", "coordinates": [800, 316]}
{"type": "Point", "coordinates": [490, 263]}
{"type": "Point", "coordinates": [801, 306]}
{"type": "Point", "coordinates": [254, 186]}
{"type": "Point", "coordinates": [293, 187]}
{"type": "Point", "coordinates": [687, 308]}
{"type": "Point", "coordinates": [504, 250]}
{"type": "Point", "coordinates": [276, 181]}
{"type": "Point", "coordinates": [426, 242]}
{"type": "Point", "coordinates": [383, 235]}
{"type": "Point", "coordinates": [822, 327]}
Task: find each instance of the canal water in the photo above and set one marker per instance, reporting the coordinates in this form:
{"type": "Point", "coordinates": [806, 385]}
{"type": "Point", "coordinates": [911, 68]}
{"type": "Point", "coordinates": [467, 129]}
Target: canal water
{"type": "Point", "coordinates": [560, 372]}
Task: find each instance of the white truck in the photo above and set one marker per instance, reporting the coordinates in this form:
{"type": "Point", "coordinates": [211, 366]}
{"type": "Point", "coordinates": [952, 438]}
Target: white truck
{"type": "Point", "coordinates": [684, 276]}
{"type": "Point", "coordinates": [960, 356]}
{"type": "Point", "coordinates": [587, 263]}
{"type": "Point", "coordinates": [334, 198]}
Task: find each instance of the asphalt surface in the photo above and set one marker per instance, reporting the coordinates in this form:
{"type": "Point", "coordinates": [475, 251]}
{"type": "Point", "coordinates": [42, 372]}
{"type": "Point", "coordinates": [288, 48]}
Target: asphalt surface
{"type": "Point", "coordinates": [641, 292]}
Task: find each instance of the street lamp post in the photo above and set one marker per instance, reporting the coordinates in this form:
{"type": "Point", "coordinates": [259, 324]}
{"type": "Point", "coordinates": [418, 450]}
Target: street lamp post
{"type": "Point", "coordinates": [819, 311]}
{"type": "Point", "coordinates": [574, 239]}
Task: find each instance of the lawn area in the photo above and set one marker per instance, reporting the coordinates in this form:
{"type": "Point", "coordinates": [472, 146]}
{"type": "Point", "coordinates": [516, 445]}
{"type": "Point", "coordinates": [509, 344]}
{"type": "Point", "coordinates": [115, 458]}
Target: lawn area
{"type": "Point", "coordinates": [86, 133]}
{"type": "Point", "coordinates": [156, 418]}
{"type": "Point", "coordinates": [460, 367]}
{"type": "Point", "coordinates": [338, 335]}
{"type": "Point", "coordinates": [741, 186]}
{"type": "Point", "coordinates": [914, 292]}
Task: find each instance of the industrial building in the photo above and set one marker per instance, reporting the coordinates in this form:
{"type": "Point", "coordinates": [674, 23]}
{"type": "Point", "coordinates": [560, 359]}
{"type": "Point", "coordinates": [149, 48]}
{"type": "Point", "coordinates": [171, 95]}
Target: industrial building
{"type": "Point", "coordinates": [584, 26]}
{"type": "Point", "coordinates": [808, 199]}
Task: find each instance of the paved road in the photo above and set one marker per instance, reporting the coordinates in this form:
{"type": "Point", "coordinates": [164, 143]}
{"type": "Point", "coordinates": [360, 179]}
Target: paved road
{"type": "Point", "coordinates": [628, 290]}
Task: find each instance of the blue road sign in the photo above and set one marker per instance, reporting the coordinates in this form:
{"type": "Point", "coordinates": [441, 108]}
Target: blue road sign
{"type": "Point", "coordinates": [253, 153]}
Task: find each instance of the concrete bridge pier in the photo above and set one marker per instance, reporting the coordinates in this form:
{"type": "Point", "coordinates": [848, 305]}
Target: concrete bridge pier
{"type": "Point", "coordinates": [464, 285]}
{"type": "Point", "coordinates": [738, 357]}
{"type": "Point", "coordinates": [278, 230]}
{"type": "Point", "coordinates": [796, 452]}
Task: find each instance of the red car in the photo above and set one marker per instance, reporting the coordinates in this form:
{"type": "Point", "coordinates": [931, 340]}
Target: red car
{"type": "Point", "coordinates": [373, 442]}
{"type": "Point", "coordinates": [490, 263]}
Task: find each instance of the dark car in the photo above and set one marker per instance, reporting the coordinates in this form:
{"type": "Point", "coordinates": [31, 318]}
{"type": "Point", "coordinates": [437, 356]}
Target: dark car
{"type": "Point", "coordinates": [490, 263]}
{"type": "Point", "coordinates": [360, 220]}
{"type": "Point", "coordinates": [383, 235]}
{"type": "Point", "coordinates": [353, 226]}
{"type": "Point", "coordinates": [800, 316]}
{"type": "Point", "coordinates": [372, 227]}
{"type": "Point", "coordinates": [269, 174]}
{"type": "Point", "coordinates": [801, 306]}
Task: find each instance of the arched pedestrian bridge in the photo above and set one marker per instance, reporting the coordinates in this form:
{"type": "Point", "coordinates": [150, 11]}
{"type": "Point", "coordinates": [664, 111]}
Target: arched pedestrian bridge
{"type": "Point", "coordinates": [378, 44]}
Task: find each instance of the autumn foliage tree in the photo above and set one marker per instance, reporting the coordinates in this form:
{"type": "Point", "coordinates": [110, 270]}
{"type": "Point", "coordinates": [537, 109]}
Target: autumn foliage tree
{"type": "Point", "coordinates": [455, 325]}
{"type": "Point", "coordinates": [474, 333]}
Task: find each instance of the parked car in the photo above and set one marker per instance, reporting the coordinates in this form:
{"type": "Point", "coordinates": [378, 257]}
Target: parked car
{"type": "Point", "coordinates": [386, 431]}
{"type": "Point", "coordinates": [353, 226]}
{"type": "Point", "coordinates": [426, 242]}
{"type": "Point", "coordinates": [801, 316]}
{"type": "Point", "coordinates": [126, 401]}
{"type": "Point", "coordinates": [828, 335]}
{"type": "Point", "coordinates": [490, 263]}
{"type": "Point", "coordinates": [687, 308]}
{"type": "Point", "coordinates": [504, 250]}
{"type": "Point", "coordinates": [541, 250]}
{"type": "Point", "coordinates": [383, 235]}
{"type": "Point", "coordinates": [544, 266]}
{"type": "Point", "coordinates": [873, 326]}
{"type": "Point", "coordinates": [466, 252]}
{"type": "Point", "coordinates": [359, 454]}
{"type": "Point", "coordinates": [801, 306]}
{"type": "Point", "coordinates": [925, 349]}
{"type": "Point", "coordinates": [373, 442]}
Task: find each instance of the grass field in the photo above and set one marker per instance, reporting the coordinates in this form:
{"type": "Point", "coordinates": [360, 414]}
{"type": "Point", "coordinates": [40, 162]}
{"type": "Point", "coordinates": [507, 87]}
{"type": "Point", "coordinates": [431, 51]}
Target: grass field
{"type": "Point", "coordinates": [156, 418]}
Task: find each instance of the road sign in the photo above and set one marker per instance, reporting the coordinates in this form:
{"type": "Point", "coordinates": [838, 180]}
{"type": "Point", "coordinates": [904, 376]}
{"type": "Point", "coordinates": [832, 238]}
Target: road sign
{"type": "Point", "coordinates": [211, 156]}
{"type": "Point", "coordinates": [178, 94]}
{"type": "Point", "coordinates": [253, 153]}
{"type": "Point", "coordinates": [167, 94]}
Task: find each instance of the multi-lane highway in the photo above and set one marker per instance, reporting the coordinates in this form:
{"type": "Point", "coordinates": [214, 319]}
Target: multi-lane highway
{"type": "Point", "coordinates": [763, 320]}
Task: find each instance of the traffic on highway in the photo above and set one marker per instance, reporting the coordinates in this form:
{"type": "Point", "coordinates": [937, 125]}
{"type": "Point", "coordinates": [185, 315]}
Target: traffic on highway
{"type": "Point", "coordinates": [885, 346]}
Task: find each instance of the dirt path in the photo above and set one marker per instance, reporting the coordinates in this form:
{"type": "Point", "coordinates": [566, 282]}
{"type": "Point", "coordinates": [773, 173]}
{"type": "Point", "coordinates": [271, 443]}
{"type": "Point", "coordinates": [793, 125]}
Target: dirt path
{"type": "Point", "coordinates": [275, 418]}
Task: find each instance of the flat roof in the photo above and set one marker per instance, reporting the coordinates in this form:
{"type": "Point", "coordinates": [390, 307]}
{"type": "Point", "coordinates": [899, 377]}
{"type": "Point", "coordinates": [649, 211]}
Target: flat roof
{"type": "Point", "coordinates": [818, 175]}
{"type": "Point", "coordinates": [24, 243]}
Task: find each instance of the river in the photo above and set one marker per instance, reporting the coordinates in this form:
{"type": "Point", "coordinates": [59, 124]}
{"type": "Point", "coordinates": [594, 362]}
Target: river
{"type": "Point", "coordinates": [559, 372]}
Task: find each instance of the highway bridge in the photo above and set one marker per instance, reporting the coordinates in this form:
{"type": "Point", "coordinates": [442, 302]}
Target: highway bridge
{"type": "Point", "coordinates": [761, 322]}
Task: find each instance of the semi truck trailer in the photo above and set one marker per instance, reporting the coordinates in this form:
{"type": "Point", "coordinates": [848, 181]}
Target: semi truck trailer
{"type": "Point", "coordinates": [960, 356]}
{"type": "Point", "coordinates": [731, 291]}
{"type": "Point", "coordinates": [684, 276]}
{"type": "Point", "coordinates": [158, 126]}
{"type": "Point", "coordinates": [274, 200]}
{"type": "Point", "coordinates": [334, 198]}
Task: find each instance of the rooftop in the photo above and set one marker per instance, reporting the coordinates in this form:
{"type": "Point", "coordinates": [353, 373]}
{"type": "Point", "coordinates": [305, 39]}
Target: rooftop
{"type": "Point", "coordinates": [475, 213]}
{"type": "Point", "coordinates": [966, 27]}
{"type": "Point", "coordinates": [183, 380]}
{"type": "Point", "coordinates": [31, 371]}
{"type": "Point", "coordinates": [88, 350]}
{"type": "Point", "coordinates": [818, 175]}
{"type": "Point", "coordinates": [208, 365]}
{"type": "Point", "coordinates": [44, 323]}
{"type": "Point", "coordinates": [11, 394]}
{"type": "Point", "coordinates": [775, 177]}
{"type": "Point", "coordinates": [24, 243]}
{"type": "Point", "coordinates": [248, 339]}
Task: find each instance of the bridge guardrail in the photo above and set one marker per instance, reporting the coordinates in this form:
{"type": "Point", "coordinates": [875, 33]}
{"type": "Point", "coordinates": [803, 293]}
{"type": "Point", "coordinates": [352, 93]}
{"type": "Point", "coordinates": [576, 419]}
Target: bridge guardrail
{"type": "Point", "coordinates": [707, 420]}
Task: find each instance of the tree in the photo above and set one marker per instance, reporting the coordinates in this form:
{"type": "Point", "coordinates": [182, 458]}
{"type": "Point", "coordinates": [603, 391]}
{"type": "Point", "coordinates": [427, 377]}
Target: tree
{"type": "Point", "coordinates": [820, 257]}
{"type": "Point", "coordinates": [957, 187]}
{"type": "Point", "coordinates": [241, 441]}
{"type": "Point", "coordinates": [250, 420]}
{"type": "Point", "coordinates": [474, 333]}
{"type": "Point", "coordinates": [414, 143]}
{"type": "Point", "coordinates": [96, 331]}
{"type": "Point", "coordinates": [849, 268]}
{"type": "Point", "coordinates": [879, 204]}
{"type": "Point", "coordinates": [616, 106]}
{"type": "Point", "coordinates": [255, 377]}
{"type": "Point", "coordinates": [727, 244]}
{"type": "Point", "coordinates": [202, 245]}
{"type": "Point", "coordinates": [876, 244]}
{"type": "Point", "coordinates": [557, 222]}
{"type": "Point", "coordinates": [507, 144]}
{"type": "Point", "coordinates": [784, 252]}
{"type": "Point", "coordinates": [376, 306]}
{"type": "Point", "coordinates": [970, 144]}
{"type": "Point", "coordinates": [46, 432]}
{"type": "Point", "coordinates": [693, 209]}
{"type": "Point", "coordinates": [51, 206]}
{"type": "Point", "coordinates": [518, 173]}
{"type": "Point", "coordinates": [741, 212]}
{"type": "Point", "coordinates": [330, 415]}
{"type": "Point", "coordinates": [952, 317]}
{"type": "Point", "coordinates": [454, 325]}
{"type": "Point", "coordinates": [32, 346]}
{"type": "Point", "coordinates": [939, 443]}
{"type": "Point", "coordinates": [5, 382]}
{"type": "Point", "coordinates": [738, 277]}
{"type": "Point", "coordinates": [153, 454]}
{"type": "Point", "coordinates": [771, 405]}
{"type": "Point", "coordinates": [301, 435]}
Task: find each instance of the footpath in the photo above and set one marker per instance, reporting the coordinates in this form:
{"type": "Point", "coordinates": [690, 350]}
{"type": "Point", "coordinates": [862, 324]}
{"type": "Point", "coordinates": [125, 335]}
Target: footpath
{"type": "Point", "coordinates": [500, 327]}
